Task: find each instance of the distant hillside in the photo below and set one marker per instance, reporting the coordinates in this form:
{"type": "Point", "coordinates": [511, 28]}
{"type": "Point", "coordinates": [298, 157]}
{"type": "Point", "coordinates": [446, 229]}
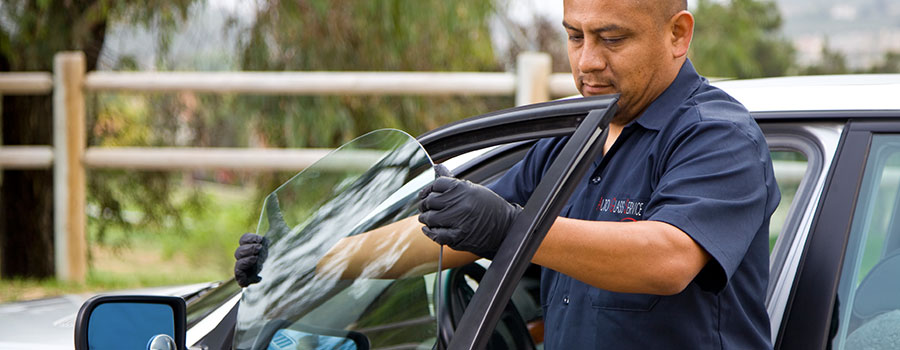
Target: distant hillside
{"type": "Point", "coordinates": [862, 29]}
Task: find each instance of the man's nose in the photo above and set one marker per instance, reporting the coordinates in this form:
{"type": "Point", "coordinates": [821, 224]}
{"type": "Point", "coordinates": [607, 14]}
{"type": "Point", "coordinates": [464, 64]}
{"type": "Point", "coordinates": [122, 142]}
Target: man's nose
{"type": "Point", "coordinates": [592, 58]}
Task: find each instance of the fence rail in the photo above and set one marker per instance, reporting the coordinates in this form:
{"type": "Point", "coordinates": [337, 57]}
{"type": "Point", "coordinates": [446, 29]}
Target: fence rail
{"type": "Point", "coordinates": [26, 83]}
{"type": "Point", "coordinates": [308, 83]}
{"type": "Point", "coordinates": [323, 83]}
{"type": "Point", "coordinates": [26, 157]}
{"type": "Point", "coordinates": [168, 158]}
{"type": "Point", "coordinates": [532, 82]}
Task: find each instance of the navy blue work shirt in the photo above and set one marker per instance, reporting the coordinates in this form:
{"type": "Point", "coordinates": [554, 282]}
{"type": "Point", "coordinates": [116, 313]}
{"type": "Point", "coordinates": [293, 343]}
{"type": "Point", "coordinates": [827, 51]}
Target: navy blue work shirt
{"type": "Point", "coordinates": [694, 159]}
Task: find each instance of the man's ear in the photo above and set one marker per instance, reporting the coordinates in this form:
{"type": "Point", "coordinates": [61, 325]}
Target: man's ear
{"type": "Point", "coordinates": [682, 30]}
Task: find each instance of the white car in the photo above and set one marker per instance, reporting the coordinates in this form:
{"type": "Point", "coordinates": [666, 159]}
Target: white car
{"type": "Point", "coordinates": [835, 257]}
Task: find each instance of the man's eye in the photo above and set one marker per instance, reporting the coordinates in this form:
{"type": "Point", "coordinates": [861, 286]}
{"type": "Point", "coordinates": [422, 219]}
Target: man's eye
{"type": "Point", "coordinates": [575, 37]}
{"type": "Point", "coordinates": [615, 40]}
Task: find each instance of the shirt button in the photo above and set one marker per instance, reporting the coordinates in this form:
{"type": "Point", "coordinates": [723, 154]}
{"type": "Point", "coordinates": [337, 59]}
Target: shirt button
{"type": "Point", "coordinates": [566, 300]}
{"type": "Point", "coordinates": [596, 180]}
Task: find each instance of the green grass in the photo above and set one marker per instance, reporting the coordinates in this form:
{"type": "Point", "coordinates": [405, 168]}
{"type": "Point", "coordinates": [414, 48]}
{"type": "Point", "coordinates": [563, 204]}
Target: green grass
{"type": "Point", "coordinates": [200, 249]}
{"type": "Point", "coordinates": [96, 282]}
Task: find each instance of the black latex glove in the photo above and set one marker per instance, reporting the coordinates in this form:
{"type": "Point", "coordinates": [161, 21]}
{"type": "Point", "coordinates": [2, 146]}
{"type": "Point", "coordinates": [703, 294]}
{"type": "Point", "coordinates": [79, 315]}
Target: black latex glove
{"type": "Point", "coordinates": [250, 256]}
{"type": "Point", "coordinates": [465, 216]}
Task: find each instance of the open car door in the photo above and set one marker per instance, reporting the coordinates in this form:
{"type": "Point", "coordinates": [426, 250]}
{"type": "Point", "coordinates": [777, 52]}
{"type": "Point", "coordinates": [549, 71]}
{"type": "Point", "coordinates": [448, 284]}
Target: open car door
{"type": "Point", "coordinates": [528, 230]}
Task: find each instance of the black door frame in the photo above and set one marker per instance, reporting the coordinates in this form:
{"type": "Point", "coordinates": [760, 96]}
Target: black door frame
{"type": "Point", "coordinates": [808, 314]}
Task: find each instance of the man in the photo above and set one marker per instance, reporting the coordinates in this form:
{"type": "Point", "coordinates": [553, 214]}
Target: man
{"type": "Point", "coordinates": [665, 243]}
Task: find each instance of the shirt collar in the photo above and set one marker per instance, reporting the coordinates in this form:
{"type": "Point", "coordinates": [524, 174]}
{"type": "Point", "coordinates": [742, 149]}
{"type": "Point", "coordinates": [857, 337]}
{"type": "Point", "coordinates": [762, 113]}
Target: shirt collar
{"type": "Point", "coordinates": [659, 112]}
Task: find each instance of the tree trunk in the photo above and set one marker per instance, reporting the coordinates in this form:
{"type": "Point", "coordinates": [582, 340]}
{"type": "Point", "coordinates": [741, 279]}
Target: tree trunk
{"type": "Point", "coordinates": [26, 196]}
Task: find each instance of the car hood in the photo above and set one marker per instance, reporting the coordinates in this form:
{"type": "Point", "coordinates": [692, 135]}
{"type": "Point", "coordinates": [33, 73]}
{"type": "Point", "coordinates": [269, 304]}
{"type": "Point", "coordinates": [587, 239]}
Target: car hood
{"type": "Point", "coordinates": [49, 323]}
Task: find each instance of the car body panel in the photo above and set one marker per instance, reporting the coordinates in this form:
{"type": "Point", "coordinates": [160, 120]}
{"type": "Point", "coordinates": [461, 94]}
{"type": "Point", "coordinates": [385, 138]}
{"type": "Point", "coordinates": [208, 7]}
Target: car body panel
{"type": "Point", "coordinates": [209, 323]}
{"type": "Point", "coordinates": [786, 255]}
{"type": "Point", "coordinates": [49, 323]}
{"type": "Point", "coordinates": [870, 92]}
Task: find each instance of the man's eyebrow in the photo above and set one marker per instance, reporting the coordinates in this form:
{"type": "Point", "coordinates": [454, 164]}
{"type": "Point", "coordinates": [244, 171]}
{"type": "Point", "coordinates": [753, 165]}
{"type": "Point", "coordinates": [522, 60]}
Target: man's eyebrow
{"type": "Point", "coordinates": [569, 26]}
{"type": "Point", "coordinates": [606, 28]}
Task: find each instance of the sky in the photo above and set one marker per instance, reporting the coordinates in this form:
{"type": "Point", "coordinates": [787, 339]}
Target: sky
{"type": "Point", "coordinates": [524, 9]}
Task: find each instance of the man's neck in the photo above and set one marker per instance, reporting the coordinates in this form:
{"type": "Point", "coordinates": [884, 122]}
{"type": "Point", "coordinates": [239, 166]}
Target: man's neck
{"type": "Point", "coordinates": [614, 131]}
{"type": "Point", "coordinates": [616, 126]}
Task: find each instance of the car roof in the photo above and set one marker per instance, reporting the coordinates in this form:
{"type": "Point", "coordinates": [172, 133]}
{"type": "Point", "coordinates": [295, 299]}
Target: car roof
{"type": "Point", "coordinates": [861, 92]}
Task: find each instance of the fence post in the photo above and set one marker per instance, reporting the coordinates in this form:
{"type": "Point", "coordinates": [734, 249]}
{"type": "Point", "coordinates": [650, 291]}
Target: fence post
{"type": "Point", "coordinates": [533, 71]}
{"type": "Point", "coordinates": [70, 243]}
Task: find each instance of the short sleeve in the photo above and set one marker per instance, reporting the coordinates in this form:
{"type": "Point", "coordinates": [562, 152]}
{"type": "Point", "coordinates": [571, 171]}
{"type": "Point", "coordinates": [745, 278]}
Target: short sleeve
{"type": "Point", "coordinates": [713, 187]}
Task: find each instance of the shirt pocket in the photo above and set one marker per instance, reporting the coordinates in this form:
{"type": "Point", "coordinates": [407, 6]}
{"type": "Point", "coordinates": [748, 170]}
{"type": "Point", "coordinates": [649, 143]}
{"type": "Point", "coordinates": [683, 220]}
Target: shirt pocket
{"type": "Point", "coordinates": [550, 292]}
{"type": "Point", "coordinates": [604, 299]}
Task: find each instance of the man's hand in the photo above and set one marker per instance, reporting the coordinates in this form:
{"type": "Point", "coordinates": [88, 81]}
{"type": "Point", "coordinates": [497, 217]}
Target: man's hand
{"type": "Point", "coordinates": [465, 216]}
{"type": "Point", "coordinates": [250, 255]}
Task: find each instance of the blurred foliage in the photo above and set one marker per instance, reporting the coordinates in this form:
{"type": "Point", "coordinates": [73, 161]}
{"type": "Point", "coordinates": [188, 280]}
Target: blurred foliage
{"type": "Point", "coordinates": [831, 62]}
{"type": "Point", "coordinates": [539, 34]}
{"type": "Point", "coordinates": [33, 31]}
{"type": "Point", "coordinates": [131, 120]}
{"type": "Point", "coordinates": [286, 36]}
{"type": "Point", "coordinates": [388, 35]}
{"type": "Point", "coordinates": [740, 39]}
{"type": "Point", "coordinates": [202, 234]}
{"type": "Point", "coordinates": [890, 64]}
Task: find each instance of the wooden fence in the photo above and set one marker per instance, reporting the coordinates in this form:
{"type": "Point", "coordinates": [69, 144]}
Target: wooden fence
{"type": "Point", "coordinates": [68, 156]}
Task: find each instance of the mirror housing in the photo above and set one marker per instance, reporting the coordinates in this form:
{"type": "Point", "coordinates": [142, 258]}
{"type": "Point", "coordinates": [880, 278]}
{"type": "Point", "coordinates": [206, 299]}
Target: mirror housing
{"type": "Point", "coordinates": [129, 321]}
{"type": "Point", "coordinates": [162, 342]}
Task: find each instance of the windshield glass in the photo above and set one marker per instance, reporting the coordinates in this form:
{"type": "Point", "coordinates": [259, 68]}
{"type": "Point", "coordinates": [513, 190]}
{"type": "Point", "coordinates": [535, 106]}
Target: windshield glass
{"type": "Point", "coordinates": [330, 280]}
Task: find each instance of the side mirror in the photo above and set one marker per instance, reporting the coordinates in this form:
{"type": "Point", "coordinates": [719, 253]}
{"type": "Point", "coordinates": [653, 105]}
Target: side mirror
{"type": "Point", "coordinates": [131, 322]}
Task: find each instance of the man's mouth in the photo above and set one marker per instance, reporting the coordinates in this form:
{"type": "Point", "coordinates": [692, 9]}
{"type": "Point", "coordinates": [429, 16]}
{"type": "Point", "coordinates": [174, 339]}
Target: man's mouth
{"type": "Point", "coordinates": [590, 89]}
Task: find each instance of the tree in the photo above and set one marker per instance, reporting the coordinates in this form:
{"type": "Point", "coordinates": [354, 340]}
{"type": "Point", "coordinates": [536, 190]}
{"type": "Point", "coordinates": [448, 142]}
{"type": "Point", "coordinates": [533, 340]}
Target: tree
{"type": "Point", "coordinates": [31, 32]}
{"type": "Point", "coordinates": [891, 63]}
{"type": "Point", "coordinates": [389, 35]}
{"type": "Point", "coordinates": [832, 62]}
{"type": "Point", "coordinates": [385, 35]}
{"type": "Point", "coordinates": [740, 39]}
{"type": "Point", "coordinates": [540, 34]}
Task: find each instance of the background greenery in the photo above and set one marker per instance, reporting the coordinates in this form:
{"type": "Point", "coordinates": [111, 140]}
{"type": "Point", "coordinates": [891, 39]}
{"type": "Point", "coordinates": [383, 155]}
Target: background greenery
{"type": "Point", "coordinates": [151, 228]}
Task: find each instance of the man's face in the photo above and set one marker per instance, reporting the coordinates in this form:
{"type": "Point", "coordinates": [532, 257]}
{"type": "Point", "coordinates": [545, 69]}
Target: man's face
{"type": "Point", "coordinates": [618, 46]}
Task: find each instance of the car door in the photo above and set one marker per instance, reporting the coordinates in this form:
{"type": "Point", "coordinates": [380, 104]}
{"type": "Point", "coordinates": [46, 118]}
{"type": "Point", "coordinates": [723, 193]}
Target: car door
{"type": "Point", "coordinates": [845, 294]}
{"type": "Point", "coordinates": [527, 231]}
{"type": "Point", "coordinates": [802, 153]}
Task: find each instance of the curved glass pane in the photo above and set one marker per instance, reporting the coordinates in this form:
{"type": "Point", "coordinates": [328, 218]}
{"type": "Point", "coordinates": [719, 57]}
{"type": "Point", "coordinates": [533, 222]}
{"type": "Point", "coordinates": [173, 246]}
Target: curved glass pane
{"type": "Point", "coordinates": [328, 275]}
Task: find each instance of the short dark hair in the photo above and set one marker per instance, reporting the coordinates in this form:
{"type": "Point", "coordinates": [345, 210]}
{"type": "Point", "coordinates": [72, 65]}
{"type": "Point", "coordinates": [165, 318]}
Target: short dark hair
{"type": "Point", "coordinates": [675, 6]}
{"type": "Point", "coordinates": [667, 8]}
